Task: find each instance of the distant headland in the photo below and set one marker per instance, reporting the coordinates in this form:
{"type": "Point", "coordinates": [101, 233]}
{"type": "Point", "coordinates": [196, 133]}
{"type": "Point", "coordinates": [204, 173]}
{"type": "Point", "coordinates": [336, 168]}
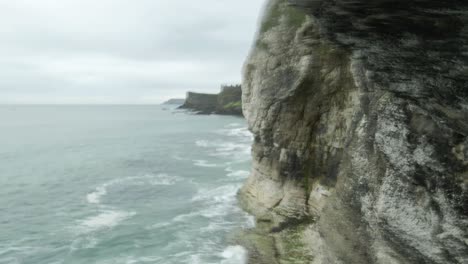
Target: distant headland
{"type": "Point", "coordinates": [174, 101]}
{"type": "Point", "coordinates": [227, 102]}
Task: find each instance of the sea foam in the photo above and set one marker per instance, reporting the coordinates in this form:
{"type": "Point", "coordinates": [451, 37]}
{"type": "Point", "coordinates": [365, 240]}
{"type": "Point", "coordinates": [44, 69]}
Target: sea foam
{"type": "Point", "coordinates": [102, 190]}
{"type": "Point", "coordinates": [204, 163]}
{"type": "Point", "coordinates": [95, 197]}
{"type": "Point", "coordinates": [104, 220]}
{"type": "Point", "coordinates": [237, 174]}
{"type": "Point", "coordinates": [234, 255]}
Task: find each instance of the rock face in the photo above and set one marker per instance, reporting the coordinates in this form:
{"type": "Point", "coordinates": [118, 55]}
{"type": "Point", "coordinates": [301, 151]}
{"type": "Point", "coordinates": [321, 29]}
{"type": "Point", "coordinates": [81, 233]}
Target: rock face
{"type": "Point", "coordinates": [200, 102]}
{"type": "Point", "coordinates": [227, 102]}
{"type": "Point", "coordinates": [360, 115]}
{"type": "Point", "coordinates": [230, 100]}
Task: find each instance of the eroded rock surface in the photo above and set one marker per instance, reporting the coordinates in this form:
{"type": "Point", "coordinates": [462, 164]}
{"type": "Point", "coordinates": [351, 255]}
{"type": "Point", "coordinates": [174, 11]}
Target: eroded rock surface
{"type": "Point", "coordinates": [360, 116]}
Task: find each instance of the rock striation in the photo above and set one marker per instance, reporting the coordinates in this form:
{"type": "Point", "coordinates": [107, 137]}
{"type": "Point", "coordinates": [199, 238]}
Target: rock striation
{"type": "Point", "coordinates": [226, 102]}
{"type": "Point", "coordinates": [360, 115]}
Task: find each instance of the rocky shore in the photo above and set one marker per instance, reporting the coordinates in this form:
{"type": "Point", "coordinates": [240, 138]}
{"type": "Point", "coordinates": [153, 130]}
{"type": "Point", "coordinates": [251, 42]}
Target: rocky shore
{"type": "Point", "coordinates": [359, 111]}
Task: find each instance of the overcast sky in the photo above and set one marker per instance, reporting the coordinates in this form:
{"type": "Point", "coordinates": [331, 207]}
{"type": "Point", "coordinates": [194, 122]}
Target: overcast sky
{"type": "Point", "coordinates": [121, 51]}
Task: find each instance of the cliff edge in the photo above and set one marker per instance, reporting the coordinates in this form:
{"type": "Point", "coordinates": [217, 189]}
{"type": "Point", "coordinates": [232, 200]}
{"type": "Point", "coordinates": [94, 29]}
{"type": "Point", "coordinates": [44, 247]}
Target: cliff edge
{"type": "Point", "coordinates": [360, 115]}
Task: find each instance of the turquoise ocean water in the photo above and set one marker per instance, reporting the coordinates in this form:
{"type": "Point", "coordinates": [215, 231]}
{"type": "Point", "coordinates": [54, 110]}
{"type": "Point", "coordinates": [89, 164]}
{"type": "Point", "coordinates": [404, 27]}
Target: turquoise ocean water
{"type": "Point", "coordinates": [120, 184]}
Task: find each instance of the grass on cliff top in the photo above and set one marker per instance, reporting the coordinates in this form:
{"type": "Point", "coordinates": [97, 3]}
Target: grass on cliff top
{"type": "Point", "coordinates": [231, 105]}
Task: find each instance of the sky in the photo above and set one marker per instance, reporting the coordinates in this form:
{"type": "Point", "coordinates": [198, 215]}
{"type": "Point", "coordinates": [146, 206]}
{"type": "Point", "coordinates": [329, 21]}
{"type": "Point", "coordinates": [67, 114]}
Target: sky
{"type": "Point", "coordinates": [121, 51]}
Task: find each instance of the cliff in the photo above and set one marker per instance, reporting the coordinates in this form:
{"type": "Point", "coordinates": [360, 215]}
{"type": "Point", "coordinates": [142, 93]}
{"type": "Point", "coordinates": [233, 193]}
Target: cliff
{"type": "Point", "coordinates": [360, 115]}
{"type": "Point", "coordinates": [230, 100]}
{"type": "Point", "coordinates": [226, 102]}
{"type": "Point", "coordinates": [174, 101]}
{"type": "Point", "coordinates": [200, 102]}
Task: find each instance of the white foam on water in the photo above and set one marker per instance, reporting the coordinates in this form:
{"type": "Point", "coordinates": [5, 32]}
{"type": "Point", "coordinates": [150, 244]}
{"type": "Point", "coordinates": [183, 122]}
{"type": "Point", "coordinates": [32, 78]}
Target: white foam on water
{"type": "Point", "coordinates": [202, 143]}
{"type": "Point", "coordinates": [234, 151]}
{"type": "Point", "coordinates": [221, 194]}
{"type": "Point", "coordinates": [217, 211]}
{"type": "Point", "coordinates": [240, 132]}
{"type": "Point", "coordinates": [217, 202]}
{"type": "Point", "coordinates": [105, 220]}
{"type": "Point", "coordinates": [231, 146]}
{"type": "Point", "coordinates": [185, 217]}
{"type": "Point", "coordinates": [237, 174]}
{"type": "Point", "coordinates": [204, 163]}
{"type": "Point", "coordinates": [234, 255]}
{"type": "Point", "coordinates": [95, 197]}
{"type": "Point", "coordinates": [234, 125]}
{"type": "Point", "coordinates": [158, 179]}
{"type": "Point", "coordinates": [238, 149]}
{"type": "Point", "coordinates": [217, 205]}
{"type": "Point", "coordinates": [164, 179]}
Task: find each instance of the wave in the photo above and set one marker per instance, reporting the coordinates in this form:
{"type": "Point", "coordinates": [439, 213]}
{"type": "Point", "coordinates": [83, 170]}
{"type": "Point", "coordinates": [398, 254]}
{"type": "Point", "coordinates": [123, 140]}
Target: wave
{"type": "Point", "coordinates": [235, 151]}
{"type": "Point", "coordinates": [95, 197]}
{"type": "Point", "coordinates": [202, 143]}
{"type": "Point", "coordinates": [237, 174]}
{"type": "Point", "coordinates": [204, 163]}
{"type": "Point", "coordinates": [102, 190]}
{"type": "Point", "coordinates": [227, 149]}
{"type": "Point", "coordinates": [217, 205]}
{"type": "Point", "coordinates": [231, 146]}
{"type": "Point", "coordinates": [216, 202]}
{"type": "Point", "coordinates": [105, 220]}
{"type": "Point", "coordinates": [237, 148]}
{"type": "Point", "coordinates": [233, 125]}
{"type": "Point", "coordinates": [222, 194]}
{"type": "Point", "coordinates": [241, 132]}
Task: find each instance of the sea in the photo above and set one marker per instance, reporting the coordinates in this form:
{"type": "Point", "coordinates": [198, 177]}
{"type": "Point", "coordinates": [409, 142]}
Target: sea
{"type": "Point", "coordinates": [120, 184]}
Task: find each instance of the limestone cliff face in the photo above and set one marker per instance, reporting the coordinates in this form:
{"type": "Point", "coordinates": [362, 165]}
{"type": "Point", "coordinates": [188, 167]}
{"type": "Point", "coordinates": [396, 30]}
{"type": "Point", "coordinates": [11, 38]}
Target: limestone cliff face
{"type": "Point", "coordinates": [360, 116]}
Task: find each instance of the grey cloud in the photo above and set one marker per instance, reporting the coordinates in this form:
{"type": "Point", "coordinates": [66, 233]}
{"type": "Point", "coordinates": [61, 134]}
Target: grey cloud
{"type": "Point", "coordinates": [78, 51]}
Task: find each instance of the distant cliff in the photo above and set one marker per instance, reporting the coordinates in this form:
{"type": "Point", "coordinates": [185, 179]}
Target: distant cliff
{"type": "Point", "coordinates": [359, 111]}
{"type": "Point", "coordinates": [174, 101]}
{"type": "Point", "coordinates": [227, 102]}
